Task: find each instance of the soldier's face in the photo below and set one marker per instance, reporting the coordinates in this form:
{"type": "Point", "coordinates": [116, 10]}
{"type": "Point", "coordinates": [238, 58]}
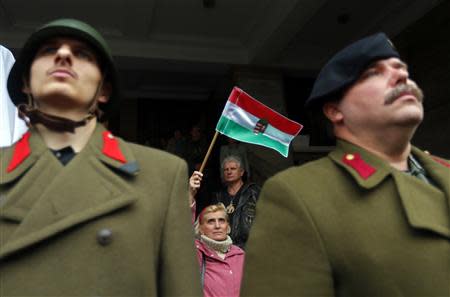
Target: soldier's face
{"type": "Point", "coordinates": [232, 172]}
{"type": "Point", "coordinates": [65, 75]}
{"type": "Point", "coordinates": [383, 96]}
{"type": "Point", "coordinates": [215, 225]}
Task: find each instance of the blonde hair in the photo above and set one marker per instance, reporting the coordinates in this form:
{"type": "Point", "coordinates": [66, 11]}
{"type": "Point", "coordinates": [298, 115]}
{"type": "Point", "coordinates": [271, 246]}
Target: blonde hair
{"type": "Point", "coordinates": [209, 209]}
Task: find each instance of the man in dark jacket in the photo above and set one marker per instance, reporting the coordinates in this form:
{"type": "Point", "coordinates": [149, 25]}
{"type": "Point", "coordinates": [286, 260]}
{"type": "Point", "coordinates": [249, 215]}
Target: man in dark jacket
{"type": "Point", "coordinates": [370, 219]}
{"type": "Point", "coordinates": [82, 212]}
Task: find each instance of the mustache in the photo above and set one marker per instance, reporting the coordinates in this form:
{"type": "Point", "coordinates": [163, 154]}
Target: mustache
{"type": "Point", "coordinates": [404, 88]}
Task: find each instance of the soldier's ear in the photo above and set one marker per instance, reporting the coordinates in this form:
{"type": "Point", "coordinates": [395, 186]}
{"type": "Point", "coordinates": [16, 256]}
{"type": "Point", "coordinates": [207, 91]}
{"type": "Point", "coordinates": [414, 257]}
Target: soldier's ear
{"type": "Point", "coordinates": [25, 85]}
{"type": "Point", "coordinates": [105, 93]}
{"type": "Point", "coordinates": [332, 112]}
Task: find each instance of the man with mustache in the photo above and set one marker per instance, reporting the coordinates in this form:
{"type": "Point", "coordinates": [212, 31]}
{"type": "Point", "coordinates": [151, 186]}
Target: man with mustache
{"type": "Point", "coordinates": [370, 219]}
{"type": "Point", "coordinates": [83, 212]}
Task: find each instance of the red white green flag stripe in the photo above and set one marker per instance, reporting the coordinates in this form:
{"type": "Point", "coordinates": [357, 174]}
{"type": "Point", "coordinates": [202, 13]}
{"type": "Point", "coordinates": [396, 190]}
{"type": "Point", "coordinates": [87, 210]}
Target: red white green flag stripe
{"type": "Point", "coordinates": [241, 115]}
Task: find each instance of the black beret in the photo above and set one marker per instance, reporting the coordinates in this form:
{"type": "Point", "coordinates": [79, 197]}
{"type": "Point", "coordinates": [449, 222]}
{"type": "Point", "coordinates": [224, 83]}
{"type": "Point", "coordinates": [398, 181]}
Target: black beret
{"type": "Point", "coordinates": [346, 66]}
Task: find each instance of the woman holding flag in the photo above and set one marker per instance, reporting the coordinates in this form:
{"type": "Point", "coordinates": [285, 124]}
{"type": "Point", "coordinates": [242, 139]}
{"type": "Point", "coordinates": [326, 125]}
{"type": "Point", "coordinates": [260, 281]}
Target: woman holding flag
{"type": "Point", "coordinates": [221, 262]}
{"type": "Point", "coordinates": [239, 198]}
{"type": "Point", "coordinates": [247, 120]}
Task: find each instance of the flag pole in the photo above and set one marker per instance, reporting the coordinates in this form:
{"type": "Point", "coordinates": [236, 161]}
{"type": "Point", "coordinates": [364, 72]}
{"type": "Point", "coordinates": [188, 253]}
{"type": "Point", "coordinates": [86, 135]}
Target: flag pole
{"type": "Point", "coordinates": [213, 141]}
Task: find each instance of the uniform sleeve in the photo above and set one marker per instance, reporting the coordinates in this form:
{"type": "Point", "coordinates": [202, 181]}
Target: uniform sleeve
{"type": "Point", "coordinates": [178, 269]}
{"type": "Point", "coordinates": [285, 255]}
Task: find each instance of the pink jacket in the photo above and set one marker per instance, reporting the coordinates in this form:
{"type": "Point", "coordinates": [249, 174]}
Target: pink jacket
{"type": "Point", "coordinates": [222, 277]}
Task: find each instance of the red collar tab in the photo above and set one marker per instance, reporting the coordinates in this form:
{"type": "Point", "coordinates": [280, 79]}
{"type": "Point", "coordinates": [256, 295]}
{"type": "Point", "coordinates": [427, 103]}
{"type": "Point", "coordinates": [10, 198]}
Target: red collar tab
{"type": "Point", "coordinates": [440, 161]}
{"type": "Point", "coordinates": [111, 147]}
{"type": "Point", "coordinates": [361, 167]}
{"type": "Point", "coordinates": [21, 152]}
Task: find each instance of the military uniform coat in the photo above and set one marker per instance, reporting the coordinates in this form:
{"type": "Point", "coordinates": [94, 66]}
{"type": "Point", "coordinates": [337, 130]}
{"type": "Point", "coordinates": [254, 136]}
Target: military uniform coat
{"type": "Point", "coordinates": [350, 224]}
{"type": "Point", "coordinates": [114, 221]}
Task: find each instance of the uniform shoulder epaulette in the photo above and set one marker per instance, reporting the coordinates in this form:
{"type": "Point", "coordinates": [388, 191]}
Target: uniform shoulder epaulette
{"type": "Point", "coordinates": [111, 147]}
{"type": "Point", "coordinates": [21, 152]}
{"type": "Point", "coordinates": [355, 161]}
{"type": "Point", "coordinates": [441, 161]}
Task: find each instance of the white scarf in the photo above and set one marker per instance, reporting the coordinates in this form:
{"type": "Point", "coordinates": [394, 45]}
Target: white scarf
{"type": "Point", "coordinates": [218, 246]}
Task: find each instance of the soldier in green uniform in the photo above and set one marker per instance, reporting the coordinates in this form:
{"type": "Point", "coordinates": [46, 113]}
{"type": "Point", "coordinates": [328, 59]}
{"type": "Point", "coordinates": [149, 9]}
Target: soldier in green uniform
{"type": "Point", "coordinates": [370, 219]}
{"type": "Point", "coordinates": [82, 212]}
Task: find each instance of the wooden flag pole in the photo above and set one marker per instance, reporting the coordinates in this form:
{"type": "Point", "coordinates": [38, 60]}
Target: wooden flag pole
{"type": "Point", "coordinates": [211, 145]}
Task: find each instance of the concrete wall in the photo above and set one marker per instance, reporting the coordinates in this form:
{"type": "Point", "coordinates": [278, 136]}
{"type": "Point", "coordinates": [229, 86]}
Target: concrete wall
{"type": "Point", "coordinates": [426, 48]}
{"type": "Point", "coordinates": [129, 119]}
{"type": "Point", "coordinates": [432, 72]}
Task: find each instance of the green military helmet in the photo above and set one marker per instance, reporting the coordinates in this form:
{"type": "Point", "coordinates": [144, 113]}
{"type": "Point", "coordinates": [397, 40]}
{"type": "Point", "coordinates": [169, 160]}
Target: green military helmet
{"type": "Point", "coordinates": [65, 28]}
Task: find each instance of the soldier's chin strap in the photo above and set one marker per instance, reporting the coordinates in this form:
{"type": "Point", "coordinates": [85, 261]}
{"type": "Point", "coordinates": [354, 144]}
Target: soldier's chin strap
{"type": "Point", "coordinates": [32, 115]}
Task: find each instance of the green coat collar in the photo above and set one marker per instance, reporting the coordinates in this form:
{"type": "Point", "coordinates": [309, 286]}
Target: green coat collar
{"type": "Point", "coordinates": [426, 207]}
{"type": "Point", "coordinates": [96, 144]}
{"type": "Point", "coordinates": [381, 169]}
{"type": "Point", "coordinates": [48, 198]}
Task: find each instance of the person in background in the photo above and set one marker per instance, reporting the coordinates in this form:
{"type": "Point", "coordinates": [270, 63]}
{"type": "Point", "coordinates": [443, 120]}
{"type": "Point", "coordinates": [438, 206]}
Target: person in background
{"type": "Point", "coordinates": [370, 219]}
{"type": "Point", "coordinates": [177, 144]}
{"type": "Point", "coordinates": [196, 148]}
{"type": "Point", "coordinates": [11, 126]}
{"type": "Point", "coordinates": [238, 196]}
{"type": "Point", "coordinates": [235, 148]}
{"type": "Point", "coordinates": [83, 212]}
{"type": "Point", "coordinates": [221, 262]}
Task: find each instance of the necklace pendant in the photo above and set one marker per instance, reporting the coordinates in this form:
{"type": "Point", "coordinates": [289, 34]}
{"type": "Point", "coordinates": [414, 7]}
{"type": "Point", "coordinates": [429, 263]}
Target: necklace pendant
{"type": "Point", "coordinates": [230, 208]}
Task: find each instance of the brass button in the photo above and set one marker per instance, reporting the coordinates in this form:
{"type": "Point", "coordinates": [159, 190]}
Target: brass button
{"type": "Point", "coordinates": [349, 157]}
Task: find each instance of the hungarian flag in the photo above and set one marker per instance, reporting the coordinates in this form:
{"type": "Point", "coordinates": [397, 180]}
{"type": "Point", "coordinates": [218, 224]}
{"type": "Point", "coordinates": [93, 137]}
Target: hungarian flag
{"type": "Point", "coordinates": [248, 120]}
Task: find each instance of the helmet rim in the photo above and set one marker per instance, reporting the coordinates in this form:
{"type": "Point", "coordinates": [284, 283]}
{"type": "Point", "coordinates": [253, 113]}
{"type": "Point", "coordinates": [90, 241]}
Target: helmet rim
{"type": "Point", "coordinates": [69, 28]}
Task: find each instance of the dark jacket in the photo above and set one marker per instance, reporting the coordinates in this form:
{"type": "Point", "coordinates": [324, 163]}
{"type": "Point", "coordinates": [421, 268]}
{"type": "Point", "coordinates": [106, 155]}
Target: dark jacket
{"type": "Point", "coordinates": [244, 213]}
